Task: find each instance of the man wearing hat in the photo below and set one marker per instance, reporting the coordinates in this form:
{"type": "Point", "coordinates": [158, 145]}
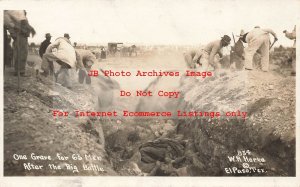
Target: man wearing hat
{"type": "Point", "coordinates": [208, 53]}
{"type": "Point", "coordinates": [45, 44]}
{"type": "Point", "coordinates": [258, 40]}
{"type": "Point", "coordinates": [291, 35]}
{"type": "Point", "coordinates": [85, 59]}
{"type": "Point", "coordinates": [66, 35]}
{"type": "Point", "coordinates": [64, 55]}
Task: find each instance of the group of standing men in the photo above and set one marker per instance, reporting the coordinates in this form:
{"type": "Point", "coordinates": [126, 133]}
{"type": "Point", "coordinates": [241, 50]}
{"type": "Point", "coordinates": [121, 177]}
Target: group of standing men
{"type": "Point", "coordinates": [258, 40]}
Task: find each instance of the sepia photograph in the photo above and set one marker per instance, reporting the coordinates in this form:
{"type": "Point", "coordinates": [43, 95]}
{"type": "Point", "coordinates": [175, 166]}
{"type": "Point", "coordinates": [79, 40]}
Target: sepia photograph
{"type": "Point", "coordinates": [130, 91]}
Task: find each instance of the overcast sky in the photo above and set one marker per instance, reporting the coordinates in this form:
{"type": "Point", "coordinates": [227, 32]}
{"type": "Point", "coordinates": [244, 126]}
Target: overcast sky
{"type": "Point", "coordinates": [156, 21]}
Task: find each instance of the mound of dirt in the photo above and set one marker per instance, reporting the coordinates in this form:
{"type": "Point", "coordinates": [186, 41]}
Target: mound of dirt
{"type": "Point", "coordinates": [268, 130]}
{"type": "Point", "coordinates": [30, 128]}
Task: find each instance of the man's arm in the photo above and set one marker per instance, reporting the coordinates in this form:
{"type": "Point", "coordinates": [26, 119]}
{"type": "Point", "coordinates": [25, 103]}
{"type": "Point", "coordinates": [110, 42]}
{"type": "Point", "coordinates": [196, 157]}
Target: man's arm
{"type": "Point", "coordinates": [212, 55]}
{"type": "Point", "coordinates": [41, 49]}
{"type": "Point", "coordinates": [91, 57]}
{"type": "Point", "coordinates": [32, 31]}
{"type": "Point", "coordinates": [271, 32]}
{"type": "Point", "coordinates": [25, 28]}
{"type": "Point", "coordinates": [220, 53]}
{"type": "Point", "coordinates": [12, 18]}
{"type": "Point", "coordinates": [52, 45]}
{"type": "Point", "coordinates": [197, 56]}
{"type": "Point", "coordinates": [79, 64]}
{"type": "Point", "coordinates": [17, 19]}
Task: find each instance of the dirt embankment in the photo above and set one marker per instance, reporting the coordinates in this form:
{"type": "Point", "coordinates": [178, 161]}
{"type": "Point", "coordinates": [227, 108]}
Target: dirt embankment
{"type": "Point", "coordinates": [30, 128]}
{"type": "Point", "coordinates": [268, 131]}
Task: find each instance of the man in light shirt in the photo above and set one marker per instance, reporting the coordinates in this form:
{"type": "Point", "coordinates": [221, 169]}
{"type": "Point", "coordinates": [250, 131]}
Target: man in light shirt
{"type": "Point", "coordinates": [291, 36]}
{"type": "Point", "coordinates": [189, 56]}
{"type": "Point", "coordinates": [85, 60]}
{"type": "Point", "coordinates": [208, 53]}
{"type": "Point", "coordinates": [258, 40]}
{"type": "Point", "coordinates": [61, 51]}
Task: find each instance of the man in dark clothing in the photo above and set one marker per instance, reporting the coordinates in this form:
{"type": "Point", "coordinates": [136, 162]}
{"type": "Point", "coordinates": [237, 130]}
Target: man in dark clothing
{"type": "Point", "coordinates": [237, 53]}
{"type": "Point", "coordinates": [45, 44]}
{"type": "Point", "coordinates": [103, 53]}
{"type": "Point", "coordinates": [8, 50]}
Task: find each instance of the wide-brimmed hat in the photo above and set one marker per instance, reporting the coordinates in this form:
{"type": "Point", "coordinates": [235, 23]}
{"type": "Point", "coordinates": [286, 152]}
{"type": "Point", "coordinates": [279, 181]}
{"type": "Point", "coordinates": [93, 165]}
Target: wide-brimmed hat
{"type": "Point", "coordinates": [243, 38]}
{"type": "Point", "coordinates": [66, 35]}
{"type": "Point", "coordinates": [241, 33]}
{"type": "Point", "coordinates": [48, 35]}
{"type": "Point", "coordinates": [226, 39]}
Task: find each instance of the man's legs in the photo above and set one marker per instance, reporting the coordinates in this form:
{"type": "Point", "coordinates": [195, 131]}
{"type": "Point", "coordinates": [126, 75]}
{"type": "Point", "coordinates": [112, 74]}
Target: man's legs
{"type": "Point", "coordinates": [293, 61]}
{"type": "Point", "coordinates": [47, 66]}
{"type": "Point", "coordinates": [47, 63]}
{"type": "Point", "coordinates": [81, 76]}
{"type": "Point", "coordinates": [88, 79]}
{"type": "Point", "coordinates": [265, 55]}
{"type": "Point", "coordinates": [65, 75]}
{"type": "Point", "coordinates": [249, 53]}
{"type": "Point", "coordinates": [204, 61]}
{"type": "Point", "coordinates": [21, 53]}
{"type": "Point", "coordinates": [189, 60]}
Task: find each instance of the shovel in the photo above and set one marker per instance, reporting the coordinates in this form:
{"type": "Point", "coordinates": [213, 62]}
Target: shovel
{"type": "Point", "coordinates": [272, 44]}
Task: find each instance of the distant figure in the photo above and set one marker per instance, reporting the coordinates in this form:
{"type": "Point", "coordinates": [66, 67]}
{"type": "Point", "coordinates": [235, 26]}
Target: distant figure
{"type": "Point", "coordinates": [15, 21]}
{"type": "Point", "coordinates": [292, 36]}
{"type": "Point", "coordinates": [258, 41]}
{"type": "Point", "coordinates": [45, 44]}
{"type": "Point", "coordinates": [64, 54]}
{"type": "Point", "coordinates": [103, 53]}
{"type": "Point", "coordinates": [132, 50]}
{"type": "Point", "coordinates": [207, 55]}
{"type": "Point", "coordinates": [85, 59]}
